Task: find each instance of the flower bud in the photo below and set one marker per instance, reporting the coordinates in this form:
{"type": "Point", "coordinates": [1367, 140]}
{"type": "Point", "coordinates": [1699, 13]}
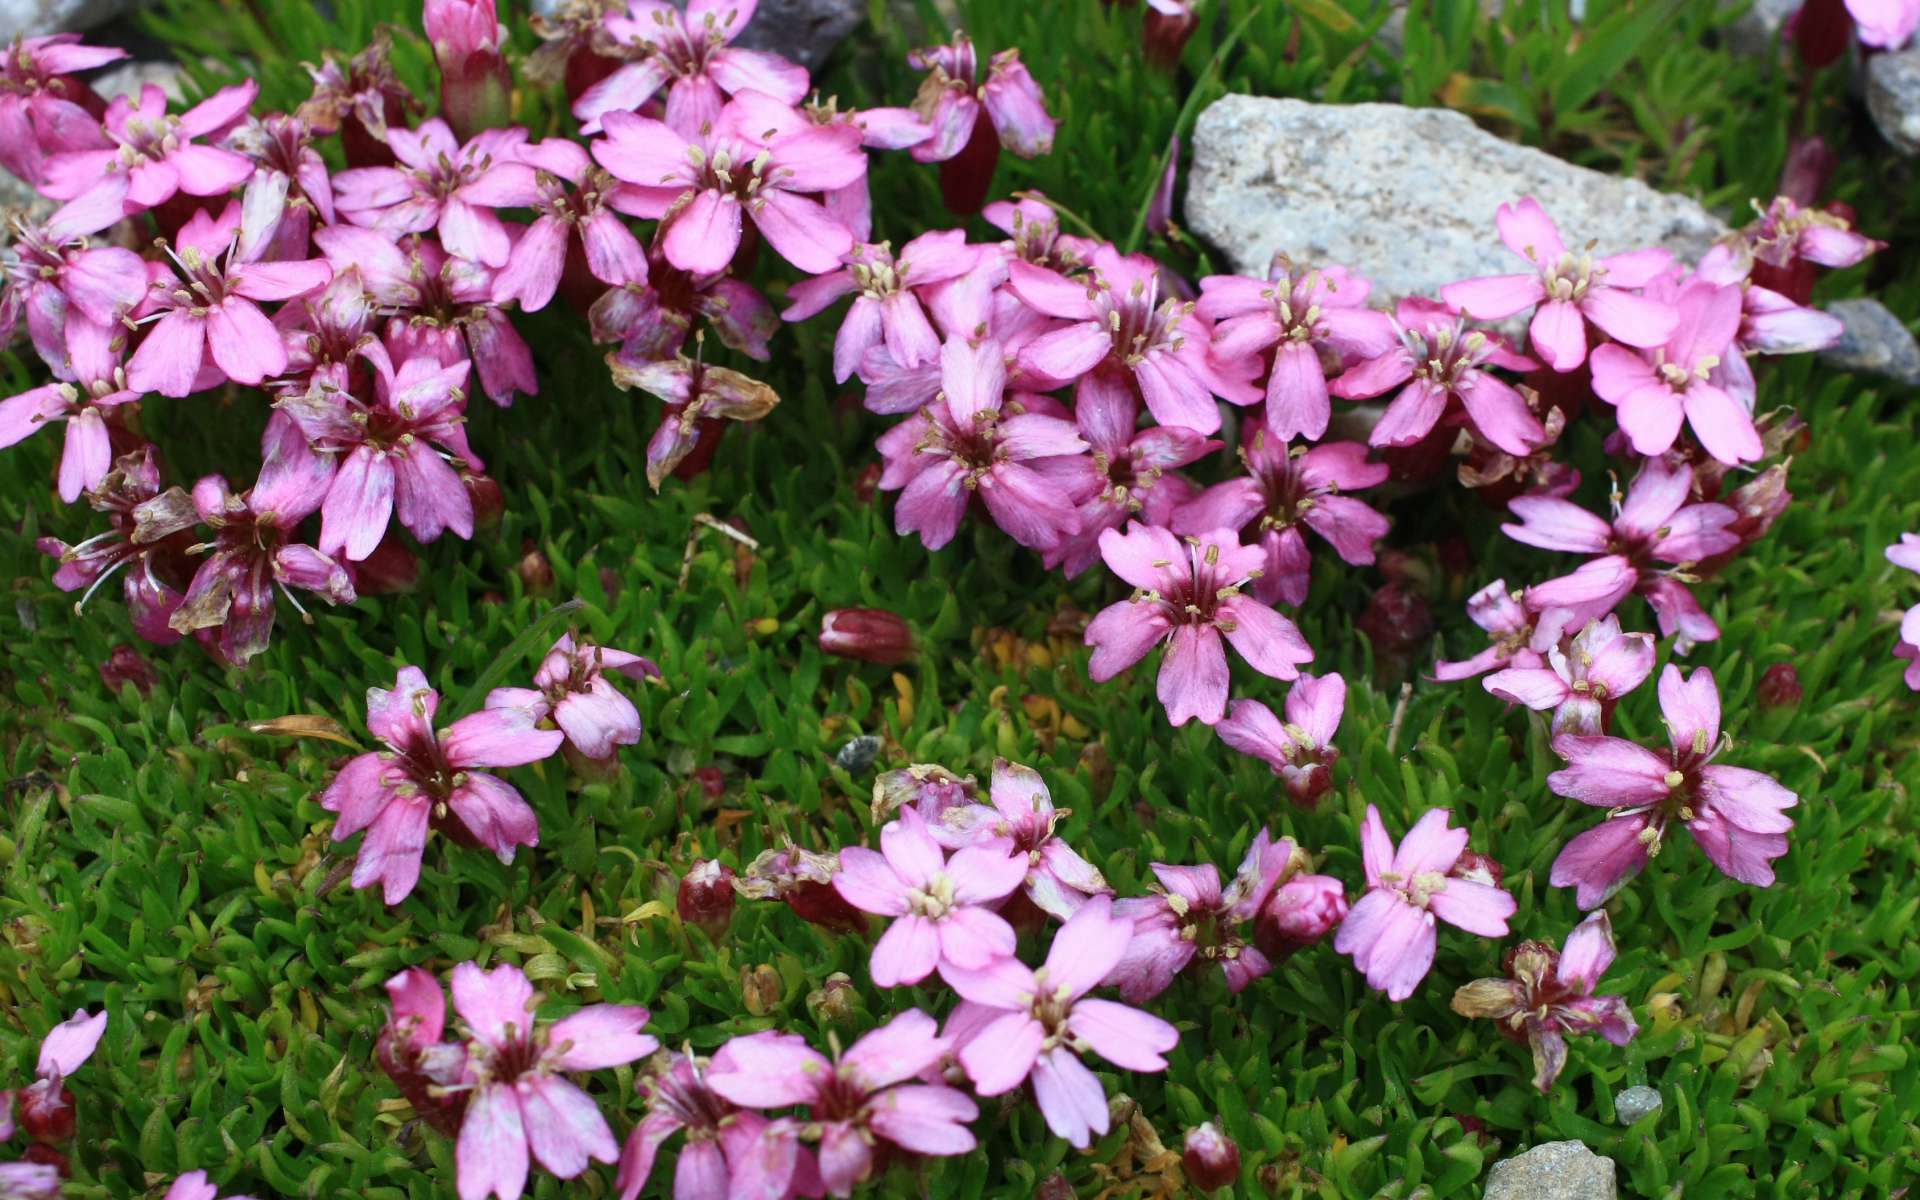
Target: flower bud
{"type": "Point", "coordinates": [476, 89]}
{"type": "Point", "coordinates": [1211, 1160]}
{"type": "Point", "coordinates": [47, 1112]}
{"type": "Point", "coordinates": [1476, 867]}
{"type": "Point", "coordinates": [127, 665]}
{"type": "Point", "coordinates": [1300, 912]}
{"type": "Point", "coordinates": [1809, 165]}
{"type": "Point", "coordinates": [489, 502]}
{"type": "Point", "coordinates": [536, 571]}
{"type": "Point", "coordinates": [833, 1002]}
{"type": "Point", "coordinates": [927, 788]}
{"type": "Point", "coordinates": [869, 634]}
{"type": "Point", "coordinates": [1779, 687]}
{"type": "Point", "coordinates": [1055, 1187]}
{"type": "Point", "coordinates": [390, 569]}
{"type": "Point", "coordinates": [712, 781]}
{"type": "Point", "coordinates": [1397, 621]}
{"type": "Point", "coordinates": [1165, 32]}
{"type": "Point", "coordinates": [706, 897]}
{"type": "Point", "coordinates": [760, 989]}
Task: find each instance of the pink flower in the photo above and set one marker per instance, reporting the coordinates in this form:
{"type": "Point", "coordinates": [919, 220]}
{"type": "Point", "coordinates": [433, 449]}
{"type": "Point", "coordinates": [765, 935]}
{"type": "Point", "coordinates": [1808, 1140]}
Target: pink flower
{"type": "Point", "coordinates": [1316, 321]}
{"type": "Point", "coordinates": [575, 207]}
{"type": "Point", "coordinates": [1888, 24]}
{"type": "Point", "coordinates": [476, 88]}
{"type": "Point", "coordinates": [140, 533]}
{"type": "Point", "coordinates": [688, 53]}
{"type": "Point", "coordinates": [1191, 919]}
{"type": "Point", "coordinates": [194, 1185]}
{"type": "Point", "coordinates": [84, 405]}
{"type": "Point", "coordinates": [290, 187]}
{"type": "Point", "coordinates": [1570, 290]}
{"type": "Point", "coordinates": [41, 104]}
{"type": "Point", "coordinates": [1301, 751]}
{"type": "Point", "coordinates": [855, 1100]}
{"type": "Point", "coordinates": [1656, 523]}
{"type": "Point", "coordinates": [941, 906]}
{"type": "Point", "coordinates": [522, 1102]}
{"type": "Point", "coordinates": [1548, 995]}
{"type": "Point", "coordinates": [1023, 1024]}
{"type": "Point", "coordinates": [885, 308]}
{"type": "Point", "coordinates": [698, 398]}
{"type": "Point", "coordinates": [142, 155]}
{"type": "Point", "coordinates": [1583, 682]}
{"type": "Point", "coordinates": [54, 268]}
{"type": "Point", "coordinates": [1510, 625]}
{"type": "Point", "coordinates": [1283, 490]}
{"type": "Point", "coordinates": [41, 1181]}
{"type": "Point", "coordinates": [953, 100]}
{"type": "Point", "coordinates": [1737, 816]}
{"type": "Point", "coordinates": [1301, 911]}
{"type": "Point", "coordinates": [47, 1108]}
{"type": "Point", "coordinates": [1787, 231]}
{"type": "Point", "coordinates": [430, 1072]}
{"type": "Point", "coordinates": [1124, 335]}
{"type": "Point", "coordinates": [651, 320]}
{"type": "Point", "coordinates": [1190, 597]}
{"type": "Point", "coordinates": [428, 777]}
{"type": "Point", "coordinates": [1058, 880]}
{"type": "Point", "coordinates": [702, 185]}
{"type": "Point", "coordinates": [571, 686]}
{"type": "Point", "coordinates": [1444, 367]}
{"type": "Point", "coordinates": [1033, 234]}
{"type": "Point", "coordinates": [971, 439]}
{"type": "Point", "coordinates": [1390, 932]}
{"type": "Point", "coordinates": [444, 185]}
{"type": "Point", "coordinates": [1653, 392]}
{"type": "Point", "coordinates": [1906, 554]}
{"type": "Point", "coordinates": [718, 1135]}
{"type": "Point", "coordinates": [211, 305]}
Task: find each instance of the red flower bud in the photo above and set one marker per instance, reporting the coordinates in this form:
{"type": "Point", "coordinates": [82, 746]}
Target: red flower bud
{"type": "Point", "coordinates": [127, 665]}
{"type": "Point", "coordinates": [1164, 35]}
{"type": "Point", "coordinates": [1211, 1160]}
{"type": "Point", "coordinates": [869, 634]}
{"type": "Point", "coordinates": [47, 1112]}
{"type": "Point", "coordinates": [1779, 686]}
{"type": "Point", "coordinates": [1300, 912]}
{"type": "Point", "coordinates": [1478, 868]}
{"type": "Point", "coordinates": [706, 897]}
{"type": "Point", "coordinates": [487, 498]}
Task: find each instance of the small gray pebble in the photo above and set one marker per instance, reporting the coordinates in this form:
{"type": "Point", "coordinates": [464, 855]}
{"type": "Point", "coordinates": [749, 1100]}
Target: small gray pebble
{"type": "Point", "coordinates": [858, 754]}
{"type": "Point", "coordinates": [1634, 1103]}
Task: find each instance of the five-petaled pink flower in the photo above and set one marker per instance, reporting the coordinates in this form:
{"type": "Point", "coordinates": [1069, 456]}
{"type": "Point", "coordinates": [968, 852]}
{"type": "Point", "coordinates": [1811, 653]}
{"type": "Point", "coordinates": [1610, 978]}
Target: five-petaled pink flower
{"type": "Point", "coordinates": [1189, 594]}
{"type": "Point", "coordinates": [575, 206]}
{"type": "Point", "coordinates": [1570, 289]}
{"type": "Point", "coordinates": [522, 1103]}
{"type": "Point", "coordinates": [42, 106]}
{"type": "Point", "coordinates": [433, 778]}
{"type": "Point", "coordinates": [443, 185]}
{"type": "Point", "coordinates": [1738, 816]}
{"type": "Point", "coordinates": [1300, 751]}
{"type": "Point", "coordinates": [1058, 879]}
{"type": "Point", "coordinates": [718, 1136]}
{"type": "Point", "coordinates": [942, 907]}
{"type": "Point", "coordinates": [1549, 995]}
{"type": "Point", "coordinates": [1582, 682]}
{"type": "Point", "coordinates": [1516, 638]}
{"type": "Point", "coordinates": [92, 384]}
{"type": "Point", "coordinates": [571, 686]}
{"type": "Point", "coordinates": [144, 155]}
{"type": "Point", "coordinates": [1654, 391]}
{"type": "Point", "coordinates": [954, 101]}
{"type": "Point", "coordinates": [1906, 553]}
{"type": "Point", "coordinates": [885, 308]}
{"type": "Point", "coordinates": [1444, 367]}
{"type": "Point", "coordinates": [1016, 1024]}
{"type": "Point", "coordinates": [689, 54]}
{"type": "Point", "coordinates": [1390, 931]}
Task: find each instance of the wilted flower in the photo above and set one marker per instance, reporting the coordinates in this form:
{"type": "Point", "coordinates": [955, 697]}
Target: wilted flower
{"type": "Point", "coordinates": [1548, 995]}
{"type": "Point", "coordinates": [429, 1071]}
{"type": "Point", "coordinates": [1058, 879]}
{"type": "Point", "coordinates": [360, 99]}
{"type": "Point", "coordinates": [1582, 682]}
{"type": "Point", "coordinates": [46, 1106]}
{"type": "Point", "coordinates": [1300, 751]}
{"type": "Point", "coordinates": [972, 118]}
{"type": "Point", "coordinates": [698, 399]}
{"type": "Point", "coordinates": [803, 879]}
{"type": "Point", "coordinates": [146, 525]}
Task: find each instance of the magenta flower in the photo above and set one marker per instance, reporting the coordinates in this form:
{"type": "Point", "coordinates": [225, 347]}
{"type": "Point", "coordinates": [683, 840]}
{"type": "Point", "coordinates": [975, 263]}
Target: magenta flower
{"type": "Point", "coordinates": [971, 439]}
{"type": "Point", "coordinates": [1191, 919]}
{"type": "Point", "coordinates": [1656, 523]}
{"type": "Point", "coordinates": [1514, 638]}
{"type": "Point", "coordinates": [718, 1136]}
{"type": "Point", "coordinates": [1024, 1024]}
{"type": "Point", "coordinates": [54, 268]}
{"type": "Point", "coordinates": [1034, 236]}
{"type": "Point", "coordinates": [1583, 682]}
{"type": "Point", "coordinates": [885, 308]}
{"type": "Point", "coordinates": [1283, 490]}
{"type": "Point", "coordinates": [1124, 335]}
{"type": "Point", "coordinates": [522, 1102]}
{"type": "Point", "coordinates": [95, 385]}
{"type": "Point", "coordinates": [954, 101]}
{"type": "Point", "coordinates": [1445, 369]}
{"type": "Point", "coordinates": [140, 533]}
{"type": "Point", "coordinates": [1301, 911]}
{"type": "Point", "coordinates": [652, 320]}
{"type": "Point", "coordinates": [41, 105]}
{"type": "Point", "coordinates": [697, 398]}
{"type": "Point", "coordinates": [1315, 321]}
{"type": "Point", "coordinates": [429, 1071]}
{"type": "Point", "coordinates": [194, 1185]}
{"type": "Point", "coordinates": [1300, 751]}
{"type": "Point", "coordinates": [1569, 290]}
{"type": "Point", "coordinates": [688, 53]}
{"type": "Point", "coordinates": [290, 188]}
{"type": "Point", "coordinates": [1190, 597]}
{"type": "Point", "coordinates": [443, 185]}
{"type": "Point", "coordinates": [210, 305]}
{"type": "Point", "coordinates": [1653, 392]}
{"type": "Point", "coordinates": [1737, 816]}
{"type": "Point", "coordinates": [1548, 995]}
{"type": "Point", "coordinates": [855, 1100]}
{"type": "Point", "coordinates": [142, 155]}
{"type": "Point", "coordinates": [571, 686]}
{"type": "Point", "coordinates": [575, 206]}
{"type": "Point", "coordinates": [431, 778]}
{"type": "Point", "coordinates": [1906, 554]}
{"type": "Point", "coordinates": [1390, 932]}
{"type": "Point", "coordinates": [703, 185]}
{"type": "Point", "coordinates": [942, 907]}
{"type": "Point", "coordinates": [1058, 880]}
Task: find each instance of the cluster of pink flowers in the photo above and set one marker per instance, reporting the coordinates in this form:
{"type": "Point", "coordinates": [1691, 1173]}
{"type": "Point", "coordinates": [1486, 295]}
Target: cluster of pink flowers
{"type": "Point", "coordinates": [48, 1111]}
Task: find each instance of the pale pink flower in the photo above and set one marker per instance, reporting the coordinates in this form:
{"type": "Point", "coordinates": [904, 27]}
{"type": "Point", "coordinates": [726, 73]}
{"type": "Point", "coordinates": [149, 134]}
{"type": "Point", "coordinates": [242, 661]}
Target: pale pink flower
{"type": "Point", "coordinates": [41, 1181]}
{"type": "Point", "coordinates": [42, 105]}
{"type": "Point", "coordinates": [1787, 231]}
{"type": "Point", "coordinates": [698, 399]}
{"type": "Point", "coordinates": [1888, 24]}
{"type": "Point", "coordinates": [1906, 554]}
{"type": "Point", "coordinates": [1653, 392]}
{"type": "Point", "coordinates": [1515, 637]}
{"type": "Point", "coordinates": [428, 777]}
{"type": "Point", "coordinates": [47, 1109]}
{"type": "Point", "coordinates": [1549, 995]}
{"type": "Point", "coordinates": [1191, 919]}
{"type": "Point", "coordinates": [55, 267]}
{"type": "Point", "coordinates": [1300, 751]}
{"type": "Point", "coordinates": [1034, 236]}
{"type": "Point", "coordinates": [1583, 681]}
{"type": "Point", "coordinates": [942, 907]}
{"type": "Point", "coordinates": [1445, 370]}
{"type": "Point", "coordinates": [1189, 595]}
{"type": "Point", "coordinates": [1316, 323]}
{"type": "Point", "coordinates": [1390, 931]}
{"type": "Point", "coordinates": [89, 384]}
{"type": "Point", "coordinates": [140, 532]}
{"type": "Point", "coordinates": [704, 185]}
{"type": "Point", "coordinates": [953, 100]}
{"type": "Point", "coordinates": [574, 208]}
{"type": "Point", "coordinates": [973, 439]}
{"type": "Point", "coordinates": [571, 686]}
{"type": "Point", "coordinates": [1737, 816]}
{"type": "Point", "coordinates": [1058, 880]}
{"type": "Point", "coordinates": [854, 1100]}
{"type": "Point", "coordinates": [444, 185]}
{"type": "Point", "coordinates": [523, 1105]}
{"type": "Point", "coordinates": [1569, 289]}
{"type": "Point", "coordinates": [1656, 523]}
{"type": "Point", "coordinates": [142, 155]}
{"type": "Point", "coordinates": [194, 1185]}
{"type": "Point", "coordinates": [1034, 1025]}
{"type": "Point", "coordinates": [885, 307]}
{"type": "Point", "coordinates": [688, 54]}
{"type": "Point", "coordinates": [429, 1071]}
{"type": "Point", "coordinates": [718, 1136]}
{"type": "Point", "coordinates": [1284, 489]}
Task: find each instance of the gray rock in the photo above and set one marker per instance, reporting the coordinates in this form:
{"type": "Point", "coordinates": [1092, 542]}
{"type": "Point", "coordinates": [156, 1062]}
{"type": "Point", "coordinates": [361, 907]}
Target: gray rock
{"type": "Point", "coordinates": [1635, 1103]}
{"type": "Point", "coordinates": [31, 18]}
{"type": "Point", "coordinates": [1755, 33]}
{"type": "Point", "coordinates": [1893, 97]}
{"type": "Point", "coordinates": [806, 31]}
{"type": "Point", "coordinates": [128, 78]}
{"type": "Point", "coordinates": [859, 754]}
{"type": "Point", "coordinates": [1405, 196]}
{"type": "Point", "coordinates": [1876, 342]}
{"type": "Point", "coordinates": [1555, 1171]}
